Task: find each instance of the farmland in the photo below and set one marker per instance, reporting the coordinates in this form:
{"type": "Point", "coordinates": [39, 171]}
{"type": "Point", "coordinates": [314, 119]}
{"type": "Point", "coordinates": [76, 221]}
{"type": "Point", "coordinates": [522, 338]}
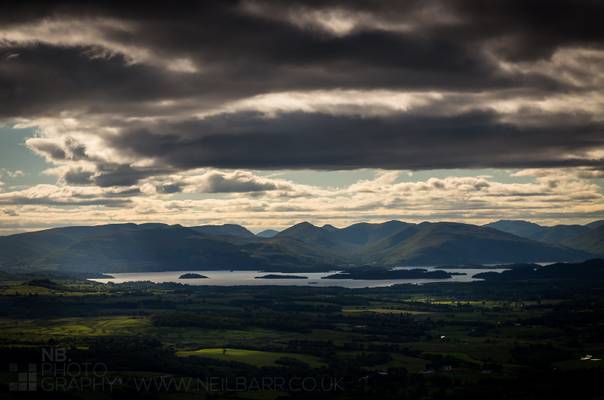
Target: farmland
{"type": "Point", "coordinates": [443, 340]}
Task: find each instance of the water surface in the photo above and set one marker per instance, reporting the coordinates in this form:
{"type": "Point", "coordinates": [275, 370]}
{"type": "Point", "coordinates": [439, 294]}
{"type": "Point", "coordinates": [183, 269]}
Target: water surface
{"type": "Point", "coordinates": [246, 278]}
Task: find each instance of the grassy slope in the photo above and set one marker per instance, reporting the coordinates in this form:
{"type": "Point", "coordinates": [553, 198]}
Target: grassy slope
{"type": "Point", "coordinates": [252, 357]}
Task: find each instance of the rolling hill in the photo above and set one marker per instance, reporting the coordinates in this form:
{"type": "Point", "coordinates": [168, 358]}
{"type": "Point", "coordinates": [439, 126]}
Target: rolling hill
{"type": "Point", "coordinates": [556, 234]}
{"type": "Point", "coordinates": [454, 243]}
{"type": "Point", "coordinates": [267, 233]}
{"type": "Point", "coordinates": [224, 230]}
{"type": "Point", "coordinates": [130, 247]}
{"type": "Point", "coordinates": [591, 241]}
{"type": "Point", "coordinates": [302, 247]}
{"type": "Point", "coordinates": [595, 224]}
{"type": "Point", "coordinates": [520, 228]}
{"type": "Point", "coordinates": [588, 238]}
{"type": "Point", "coordinates": [395, 242]}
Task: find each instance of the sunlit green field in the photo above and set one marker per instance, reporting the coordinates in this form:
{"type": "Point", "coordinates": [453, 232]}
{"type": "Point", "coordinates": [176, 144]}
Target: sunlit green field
{"type": "Point", "coordinates": [36, 330]}
{"type": "Point", "coordinates": [252, 357]}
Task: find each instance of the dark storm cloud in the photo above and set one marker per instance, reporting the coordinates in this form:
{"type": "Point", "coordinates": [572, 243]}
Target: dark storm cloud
{"type": "Point", "coordinates": [48, 79]}
{"type": "Point", "coordinates": [78, 176]}
{"type": "Point", "coordinates": [52, 150]}
{"type": "Point", "coordinates": [144, 69]}
{"type": "Point", "coordinates": [531, 26]}
{"type": "Point", "coordinates": [534, 29]}
{"type": "Point", "coordinates": [299, 140]}
{"type": "Point", "coordinates": [123, 174]}
{"type": "Point", "coordinates": [218, 183]}
{"type": "Point", "coordinates": [124, 192]}
{"type": "Point", "coordinates": [242, 54]}
{"type": "Point", "coordinates": [170, 188]}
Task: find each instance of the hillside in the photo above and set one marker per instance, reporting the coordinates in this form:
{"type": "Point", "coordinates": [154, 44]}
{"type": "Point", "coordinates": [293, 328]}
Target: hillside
{"type": "Point", "coordinates": [225, 230]}
{"type": "Point", "coordinates": [130, 247]}
{"type": "Point", "coordinates": [267, 233]}
{"type": "Point", "coordinates": [591, 241]}
{"type": "Point", "coordinates": [454, 243]}
{"type": "Point", "coordinates": [556, 234]}
{"type": "Point", "coordinates": [302, 247]}
{"type": "Point", "coordinates": [354, 241]}
{"type": "Point", "coordinates": [595, 224]}
{"type": "Point", "coordinates": [395, 242]}
{"type": "Point", "coordinates": [520, 228]}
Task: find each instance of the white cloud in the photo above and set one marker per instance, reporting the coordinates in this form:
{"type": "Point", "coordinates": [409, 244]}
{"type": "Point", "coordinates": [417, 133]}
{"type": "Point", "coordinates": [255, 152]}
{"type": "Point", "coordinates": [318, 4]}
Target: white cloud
{"type": "Point", "coordinates": [337, 102]}
{"type": "Point", "coordinates": [548, 196]}
{"type": "Point", "coordinates": [17, 173]}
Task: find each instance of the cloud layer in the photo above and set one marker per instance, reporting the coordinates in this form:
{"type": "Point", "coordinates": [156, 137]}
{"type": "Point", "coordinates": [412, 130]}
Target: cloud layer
{"type": "Point", "coordinates": [330, 85]}
{"type": "Point", "coordinates": [211, 196]}
{"type": "Point", "coordinates": [155, 101]}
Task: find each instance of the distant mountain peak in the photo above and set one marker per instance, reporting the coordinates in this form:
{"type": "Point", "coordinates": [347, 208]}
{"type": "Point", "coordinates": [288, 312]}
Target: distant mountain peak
{"type": "Point", "coordinates": [225, 230]}
{"type": "Point", "coordinates": [300, 227]}
{"type": "Point", "coordinates": [267, 233]}
{"type": "Point", "coordinates": [514, 221]}
{"type": "Point", "coordinates": [520, 228]}
{"type": "Point", "coordinates": [394, 222]}
{"type": "Point", "coordinates": [557, 234]}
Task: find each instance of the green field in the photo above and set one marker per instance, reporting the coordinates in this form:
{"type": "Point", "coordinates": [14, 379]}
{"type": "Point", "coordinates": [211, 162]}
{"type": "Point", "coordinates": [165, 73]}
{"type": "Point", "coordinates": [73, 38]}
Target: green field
{"type": "Point", "coordinates": [252, 357]}
{"type": "Point", "coordinates": [36, 330]}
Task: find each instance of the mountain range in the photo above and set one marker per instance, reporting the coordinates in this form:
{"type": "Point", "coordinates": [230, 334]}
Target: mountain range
{"type": "Point", "coordinates": [301, 247]}
{"type": "Point", "coordinates": [589, 238]}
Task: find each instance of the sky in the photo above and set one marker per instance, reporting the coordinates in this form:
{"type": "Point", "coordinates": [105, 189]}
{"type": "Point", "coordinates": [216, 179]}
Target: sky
{"type": "Point", "coordinates": [269, 113]}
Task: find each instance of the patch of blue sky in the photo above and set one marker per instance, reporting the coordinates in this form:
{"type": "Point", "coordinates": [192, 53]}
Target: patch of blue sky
{"type": "Point", "coordinates": [14, 155]}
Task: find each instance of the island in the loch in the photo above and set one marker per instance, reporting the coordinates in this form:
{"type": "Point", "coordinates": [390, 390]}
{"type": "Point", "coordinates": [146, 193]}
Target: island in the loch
{"type": "Point", "coordinates": [374, 273]}
{"type": "Point", "coordinates": [276, 276]}
{"type": "Point", "coordinates": [191, 275]}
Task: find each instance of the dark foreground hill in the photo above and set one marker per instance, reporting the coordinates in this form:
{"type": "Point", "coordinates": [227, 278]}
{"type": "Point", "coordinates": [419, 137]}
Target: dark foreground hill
{"type": "Point", "coordinates": [588, 270]}
{"type": "Point", "coordinates": [302, 247]}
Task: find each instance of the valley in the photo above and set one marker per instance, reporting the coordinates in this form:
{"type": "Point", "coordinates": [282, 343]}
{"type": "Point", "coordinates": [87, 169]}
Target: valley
{"type": "Point", "coordinates": [531, 335]}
